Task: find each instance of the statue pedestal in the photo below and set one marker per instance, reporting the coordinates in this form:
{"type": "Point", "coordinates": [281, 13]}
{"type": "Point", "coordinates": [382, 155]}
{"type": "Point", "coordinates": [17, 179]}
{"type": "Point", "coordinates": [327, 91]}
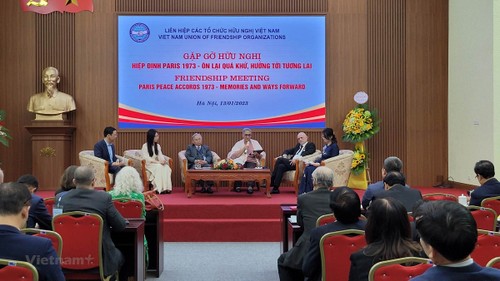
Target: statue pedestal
{"type": "Point", "coordinates": [51, 146]}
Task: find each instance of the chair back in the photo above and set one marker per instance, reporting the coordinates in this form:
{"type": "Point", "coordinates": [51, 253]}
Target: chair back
{"type": "Point", "coordinates": [494, 262]}
{"type": "Point", "coordinates": [336, 249]}
{"type": "Point", "coordinates": [99, 166]}
{"type": "Point", "coordinates": [486, 218]}
{"type": "Point", "coordinates": [129, 208]}
{"type": "Point", "coordinates": [492, 202]}
{"type": "Point", "coordinates": [138, 162]}
{"type": "Point", "coordinates": [53, 236]}
{"type": "Point", "coordinates": [325, 219]}
{"type": "Point", "coordinates": [486, 247]}
{"type": "Point", "coordinates": [439, 196]}
{"type": "Point", "coordinates": [49, 204]}
{"type": "Point", "coordinates": [13, 270]}
{"type": "Point", "coordinates": [341, 166]}
{"type": "Point", "coordinates": [401, 269]}
{"type": "Point", "coordinates": [82, 236]}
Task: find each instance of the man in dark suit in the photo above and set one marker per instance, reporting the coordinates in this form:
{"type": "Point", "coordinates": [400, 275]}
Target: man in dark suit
{"type": "Point", "coordinates": [287, 161]}
{"type": "Point", "coordinates": [310, 207]}
{"type": "Point", "coordinates": [199, 154]}
{"type": "Point", "coordinates": [38, 211]}
{"type": "Point", "coordinates": [84, 198]}
{"type": "Point", "coordinates": [394, 184]}
{"type": "Point", "coordinates": [490, 187]}
{"type": "Point", "coordinates": [345, 205]}
{"type": "Point", "coordinates": [105, 149]}
{"type": "Point", "coordinates": [14, 208]}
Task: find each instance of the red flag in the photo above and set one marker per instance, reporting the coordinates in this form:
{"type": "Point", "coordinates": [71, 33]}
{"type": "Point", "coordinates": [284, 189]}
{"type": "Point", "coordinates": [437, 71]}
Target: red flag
{"type": "Point", "coordinates": [49, 6]}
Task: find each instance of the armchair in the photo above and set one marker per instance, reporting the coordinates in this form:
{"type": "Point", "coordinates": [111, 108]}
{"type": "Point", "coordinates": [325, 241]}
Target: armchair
{"type": "Point", "coordinates": [341, 166]}
{"type": "Point", "coordinates": [134, 156]}
{"type": "Point", "coordinates": [183, 163]}
{"type": "Point", "coordinates": [293, 177]}
{"type": "Point", "coordinates": [101, 168]}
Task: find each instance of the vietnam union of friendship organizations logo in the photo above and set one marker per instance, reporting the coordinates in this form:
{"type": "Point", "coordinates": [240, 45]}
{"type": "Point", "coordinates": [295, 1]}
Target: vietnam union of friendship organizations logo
{"type": "Point", "coordinates": [139, 32]}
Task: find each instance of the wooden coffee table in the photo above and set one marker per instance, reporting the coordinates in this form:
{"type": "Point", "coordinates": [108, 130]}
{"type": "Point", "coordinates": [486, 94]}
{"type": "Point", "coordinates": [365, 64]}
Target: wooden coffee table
{"type": "Point", "coordinates": [228, 175]}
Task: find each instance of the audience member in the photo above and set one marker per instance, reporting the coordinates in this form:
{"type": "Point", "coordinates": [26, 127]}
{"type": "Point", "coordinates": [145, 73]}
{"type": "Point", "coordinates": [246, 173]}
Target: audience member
{"type": "Point", "coordinates": [160, 173]}
{"type": "Point", "coordinates": [105, 149]}
{"type": "Point", "coordinates": [391, 164]}
{"type": "Point", "coordinates": [246, 152]}
{"type": "Point", "coordinates": [198, 154]}
{"type": "Point", "coordinates": [38, 213]}
{"type": "Point", "coordinates": [345, 205]}
{"type": "Point", "coordinates": [84, 198]}
{"type": "Point", "coordinates": [14, 245]}
{"type": "Point", "coordinates": [490, 187]}
{"type": "Point", "coordinates": [287, 161]}
{"type": "Point", "coordinates": [310, 207]}
{"type": "Point", "coordinates": [388, 236]}
{"type": "Point", "coordinates": [331, 149]}
{"type": "Point", "coordinates": [448, 235]}
{"type": "Point", "coordinates": [67, 182]}
{"type": "Point", "coordinates": [394, 185]}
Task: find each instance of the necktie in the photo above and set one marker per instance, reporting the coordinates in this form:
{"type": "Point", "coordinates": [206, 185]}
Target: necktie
{"type": "Point", "coordinates": [198, 148]}
{"type": "Point", "coordinates": [299, 151]}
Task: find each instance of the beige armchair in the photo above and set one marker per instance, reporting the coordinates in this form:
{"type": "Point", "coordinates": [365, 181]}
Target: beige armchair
{"type": "Point", "coordinates": [183, 164]}
{"type": "Point", "coordinates": [100, 167]}
{"type": "Point", "coordinates": [137, 161]}
{"type": "Point", "coordinates": [341, 166]}
{"type": "Point", "coordinates": [293, 177]}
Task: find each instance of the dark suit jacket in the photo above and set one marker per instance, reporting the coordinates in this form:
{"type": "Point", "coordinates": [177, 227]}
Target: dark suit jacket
{"type": "Point", "coordinates": [406, 195]}
{"type": "Point", "coordinates": [308, 150]}
{"type": "Point", "coordinates": [35, 250]}
{"type": "Point", "coordinates": [329, 151]}
{"type": "Point", "coordinates": [193, 154]}
{"type": "Point", "coordinates": [310, 207]}
{"type": "Point", "coordinates": [491, 188]}
{"type": "Point", "coordinates": [98, 202]}
{"type": "Point", "coordinates": [465, 273]}
{"type": "Point", "coordinates": [311, 267]}
{"type": "Point", "coordinates": [101, 151]}
{"type": "Point", "coordinates": [39, 214]}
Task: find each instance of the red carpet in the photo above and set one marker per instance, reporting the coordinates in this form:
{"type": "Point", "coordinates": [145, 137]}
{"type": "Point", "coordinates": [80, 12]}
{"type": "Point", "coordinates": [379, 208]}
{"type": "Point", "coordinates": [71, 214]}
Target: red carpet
{"type": "Point", "coordinates": [226, 216]}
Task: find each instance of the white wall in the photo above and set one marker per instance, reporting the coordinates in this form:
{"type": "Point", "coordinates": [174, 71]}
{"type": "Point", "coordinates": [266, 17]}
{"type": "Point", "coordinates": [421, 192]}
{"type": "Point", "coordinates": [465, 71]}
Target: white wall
{"type": "Point", "coordinates": [473, 101]}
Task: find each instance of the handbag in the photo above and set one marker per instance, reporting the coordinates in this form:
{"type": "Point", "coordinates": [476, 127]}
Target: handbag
{"type": "Point", "coordinates": [152, 201]}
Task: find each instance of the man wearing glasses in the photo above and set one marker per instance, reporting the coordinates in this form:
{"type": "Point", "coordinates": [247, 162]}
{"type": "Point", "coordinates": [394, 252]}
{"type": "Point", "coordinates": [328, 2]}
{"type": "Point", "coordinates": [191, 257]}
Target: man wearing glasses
{"type": "Point", "coordinates": [38, 212]}
{"type": "Point", "coordinates": [490, 186]}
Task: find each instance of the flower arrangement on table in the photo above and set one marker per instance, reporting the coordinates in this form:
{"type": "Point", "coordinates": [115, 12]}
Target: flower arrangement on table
{"type": "Point", "coordinates": [4, 132]}
{"type": "Point", "coordinates": [359, 161]}
{"type": "Point", "coordinates": [227, 164]}
{"type": "Point", "coordinates": [360, 124]}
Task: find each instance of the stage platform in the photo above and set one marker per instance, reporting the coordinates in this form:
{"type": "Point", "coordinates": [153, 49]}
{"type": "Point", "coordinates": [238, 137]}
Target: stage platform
{"type": "Point", "coordinates": [227, 216]}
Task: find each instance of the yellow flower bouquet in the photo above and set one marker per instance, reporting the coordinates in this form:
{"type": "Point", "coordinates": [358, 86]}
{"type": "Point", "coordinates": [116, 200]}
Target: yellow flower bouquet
{"type": "Point", "coordinates": [360, 124]}
{"type": "Point", "coordinates": [359, 161]}
{"type": "Point", "coordinates": [227, 164]}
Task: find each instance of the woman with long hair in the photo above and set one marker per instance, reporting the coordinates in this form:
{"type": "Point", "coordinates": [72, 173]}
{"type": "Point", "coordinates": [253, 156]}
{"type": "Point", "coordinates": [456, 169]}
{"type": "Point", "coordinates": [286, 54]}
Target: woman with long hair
{"type": "Point", "coordinates": [388, 236]}
{"type": "Point", "coordinates": [66, 181]}
{"type": "Point", "coordinates": [330, 149]}
{"type": "Point", "coordinates": [156, 163]}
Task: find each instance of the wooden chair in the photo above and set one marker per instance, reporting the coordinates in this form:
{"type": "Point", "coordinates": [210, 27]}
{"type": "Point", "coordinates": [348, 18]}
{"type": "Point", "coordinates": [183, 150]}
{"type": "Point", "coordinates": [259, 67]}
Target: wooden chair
{"type": "Point", "coordinates": [486, 218]}
{"type": "Point", "coordinates": [54, 237]}
{"type": "Point", "coordinates": [184, 167]}
{"type": "Point", "coordinates": [293, 177]}
{"type": "Point", "coordinates": [82, 236]}
{"type": "Point", "coordinates": [341, 166]}
{"type": "Point", "coordinates": [487, 247]}
{"type": "Point", "coordinates": [494, 262]}
{"type": "Point", "coordinates": [134, 156]}
{"type": "Point", "coordinates": [336, 249]}
{"type": "Point", "coordinates": [49, 204]}
{"type": "Point", "coordinates": [13, 270]}
{"type": "Point", "coordinates": [439, 196]}
{"type": "Point", "coordinates": [492, 202]}
{"type": "Point", "coordinates": [398, 270]}
{"type": "Point", "coordinates": [129, 208]}
{"type": "Point", "coordinates": [100, 167]}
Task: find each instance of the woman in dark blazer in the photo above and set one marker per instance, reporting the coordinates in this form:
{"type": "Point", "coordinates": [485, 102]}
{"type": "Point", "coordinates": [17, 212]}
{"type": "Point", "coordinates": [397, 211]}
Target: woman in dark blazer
{"type": "Point", "coordinates": [330, 149]}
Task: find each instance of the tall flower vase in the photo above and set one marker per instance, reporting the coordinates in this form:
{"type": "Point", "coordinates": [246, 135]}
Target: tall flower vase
{"type": "Point", "coordinates": [359, 179]}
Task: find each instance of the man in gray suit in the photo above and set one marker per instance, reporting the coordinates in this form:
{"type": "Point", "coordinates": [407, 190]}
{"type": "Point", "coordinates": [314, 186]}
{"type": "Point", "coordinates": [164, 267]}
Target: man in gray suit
{"type": "Point", "coordinates": [84, 198]}
{"type": "Point", "coordinates": [199, 155]}
{"type": "Point", "coordinates": [394, 186]}
{"type": "Point", "coordinates": [310, 206]}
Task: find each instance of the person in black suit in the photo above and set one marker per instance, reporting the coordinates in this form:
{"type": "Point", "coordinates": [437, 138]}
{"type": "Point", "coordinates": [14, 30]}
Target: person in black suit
{"type": "Point", "coordinates": [345, 205]}
{"type": "Point", "coordinates": [286, 162]}
{"type": "Point", "coordinates": [38, 211]}
{"type": "Point", "coordinates": [15, 245]}
{"type": "Point", "coordinates": [310, 207]}
{"type": "Point", "coordinates": [84, 198]}
{"type": "Point", "coordinates": [105, 149]}
{"type": "Point", "coordinates": [394, 185]}
{"type": "Point", "coordinates": [490, 186]}
{"type": "Point", "coordinates": [199, 154]}
{"type": "Point", "coordinates": [388, 236]}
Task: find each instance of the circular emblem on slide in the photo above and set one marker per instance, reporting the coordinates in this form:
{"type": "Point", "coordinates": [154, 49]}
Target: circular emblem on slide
{"type": "Point", "coordinates": [361, 97]}
{"type": "Point", "coordinates": [139, 32]}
